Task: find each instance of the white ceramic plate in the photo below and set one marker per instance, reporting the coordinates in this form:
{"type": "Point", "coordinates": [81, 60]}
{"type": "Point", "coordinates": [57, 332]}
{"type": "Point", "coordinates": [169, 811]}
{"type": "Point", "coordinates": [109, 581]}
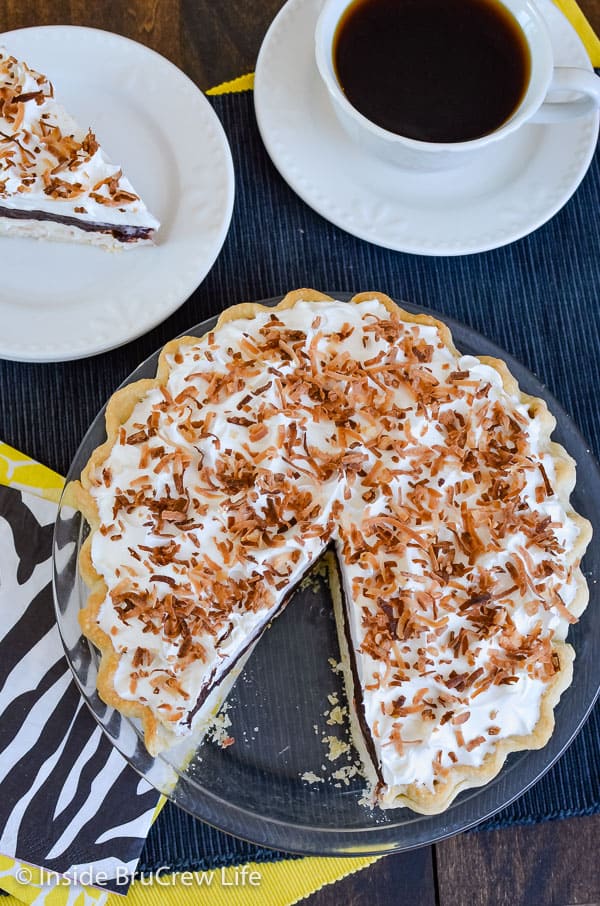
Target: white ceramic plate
{"type": "Point", "coordinates": [511, 189]}
{"type": "Point", "coordinates": [61, 301]}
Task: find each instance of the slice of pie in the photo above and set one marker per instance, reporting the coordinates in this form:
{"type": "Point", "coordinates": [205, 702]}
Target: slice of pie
{"type": "Point", "coordinates": [55, 180]}
{"type": "Point", "coordinates": [355, 426]}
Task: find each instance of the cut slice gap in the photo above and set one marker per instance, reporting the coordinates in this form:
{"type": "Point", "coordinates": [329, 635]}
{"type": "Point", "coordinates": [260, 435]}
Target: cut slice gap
{"type": "Point", "coordinates": [360, 733]}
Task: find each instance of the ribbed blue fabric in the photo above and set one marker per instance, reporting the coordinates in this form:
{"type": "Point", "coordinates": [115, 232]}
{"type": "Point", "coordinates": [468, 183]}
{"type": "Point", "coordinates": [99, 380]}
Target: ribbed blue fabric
{"type": "Point", "coordinates": [538, 298]}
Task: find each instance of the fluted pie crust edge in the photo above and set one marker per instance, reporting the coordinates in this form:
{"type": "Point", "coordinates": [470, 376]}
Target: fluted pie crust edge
{"type": "Point", "coordinates": [415, 797]}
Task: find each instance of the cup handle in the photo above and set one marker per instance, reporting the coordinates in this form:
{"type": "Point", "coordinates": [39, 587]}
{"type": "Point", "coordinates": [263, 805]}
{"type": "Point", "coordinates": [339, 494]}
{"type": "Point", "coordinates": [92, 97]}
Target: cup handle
{"type": "Point", "coordinates": [583, 82]}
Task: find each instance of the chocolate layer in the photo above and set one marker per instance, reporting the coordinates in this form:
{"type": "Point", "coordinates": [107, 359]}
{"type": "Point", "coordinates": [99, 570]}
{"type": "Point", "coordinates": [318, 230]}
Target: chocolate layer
{"type": "Point", "coordinates": [120, 233]}
{"type": "Point", "coordinates": [359, 705]}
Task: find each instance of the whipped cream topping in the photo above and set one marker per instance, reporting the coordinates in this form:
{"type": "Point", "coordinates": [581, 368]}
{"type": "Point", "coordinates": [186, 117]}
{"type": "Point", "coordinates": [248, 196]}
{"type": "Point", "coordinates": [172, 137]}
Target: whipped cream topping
{"type": "Point", "coordinates": [48, 163]}
{"type": "Point", "coordinates": [339, 422]}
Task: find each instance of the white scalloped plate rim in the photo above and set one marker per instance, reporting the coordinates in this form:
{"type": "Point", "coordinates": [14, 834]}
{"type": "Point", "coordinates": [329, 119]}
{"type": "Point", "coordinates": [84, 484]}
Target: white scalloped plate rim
{"type": "Point", "coordinates": [498, 199]}
{"type": "Point", "coordinates": [60, 301]}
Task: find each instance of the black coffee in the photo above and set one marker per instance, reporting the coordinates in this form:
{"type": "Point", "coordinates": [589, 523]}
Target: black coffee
{"type": "Point", "coordinates": [433, 70]}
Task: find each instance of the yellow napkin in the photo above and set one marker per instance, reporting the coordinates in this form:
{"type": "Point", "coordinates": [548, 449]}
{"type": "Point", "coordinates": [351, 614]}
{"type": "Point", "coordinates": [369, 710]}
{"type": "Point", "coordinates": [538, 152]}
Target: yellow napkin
{"type": "Point", "coordinates": [25, 474]}
{"type": "Point", "coordinates": [275, 883]}
{"type": "Point", "coordinates": [590, 39]}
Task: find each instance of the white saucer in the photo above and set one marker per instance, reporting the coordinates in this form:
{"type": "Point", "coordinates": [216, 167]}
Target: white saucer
{"type": "Point", "coordinates": [511, 189]}
{"type": "Point", "coordinates": [61, 301]}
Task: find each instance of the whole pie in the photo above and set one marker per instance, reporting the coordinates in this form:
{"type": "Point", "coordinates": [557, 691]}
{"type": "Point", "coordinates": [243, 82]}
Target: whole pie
{"type": "Point", "coordinates": [354, 427]}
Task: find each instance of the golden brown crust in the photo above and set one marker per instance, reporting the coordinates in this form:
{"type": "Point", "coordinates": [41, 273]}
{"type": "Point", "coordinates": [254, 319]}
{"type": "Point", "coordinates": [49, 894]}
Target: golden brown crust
{"type": "Point", "coordinates": [417, 798]}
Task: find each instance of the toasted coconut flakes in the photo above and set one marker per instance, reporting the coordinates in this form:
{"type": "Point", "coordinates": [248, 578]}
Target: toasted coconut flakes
{"type": "Point", "coordinates": [547, 485]}
{"type": "Point", "coordinates": [474, 743]}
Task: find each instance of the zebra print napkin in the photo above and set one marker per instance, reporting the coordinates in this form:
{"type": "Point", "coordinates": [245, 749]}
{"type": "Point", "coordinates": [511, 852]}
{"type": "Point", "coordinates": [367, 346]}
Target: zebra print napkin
{"type": "Point", "coordinates": [68, 800]}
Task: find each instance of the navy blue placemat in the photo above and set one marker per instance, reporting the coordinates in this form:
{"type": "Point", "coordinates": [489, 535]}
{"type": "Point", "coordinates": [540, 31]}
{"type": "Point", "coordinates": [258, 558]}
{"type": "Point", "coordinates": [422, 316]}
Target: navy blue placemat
{"type": "Point", "coordinates": [538, 298]}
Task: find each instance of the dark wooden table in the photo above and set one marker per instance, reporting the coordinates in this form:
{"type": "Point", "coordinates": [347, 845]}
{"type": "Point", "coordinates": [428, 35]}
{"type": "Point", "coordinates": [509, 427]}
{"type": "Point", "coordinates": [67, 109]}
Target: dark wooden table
{"type": "Point", "coordinates": [554, 864]}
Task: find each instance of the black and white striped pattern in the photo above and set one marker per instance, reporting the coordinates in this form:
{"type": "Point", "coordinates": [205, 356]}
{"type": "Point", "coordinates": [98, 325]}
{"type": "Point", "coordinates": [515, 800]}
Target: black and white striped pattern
{"type": "Point", "coordinates": [68, 800]}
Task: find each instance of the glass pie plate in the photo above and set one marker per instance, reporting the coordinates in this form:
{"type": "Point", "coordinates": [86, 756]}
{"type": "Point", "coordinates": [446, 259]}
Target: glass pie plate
{"type": "Point", "coordinates": [278, 707]}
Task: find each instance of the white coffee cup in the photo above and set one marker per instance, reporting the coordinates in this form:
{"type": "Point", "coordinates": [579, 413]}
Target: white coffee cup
{"type": "Point", "coordinates": [549, 97]}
